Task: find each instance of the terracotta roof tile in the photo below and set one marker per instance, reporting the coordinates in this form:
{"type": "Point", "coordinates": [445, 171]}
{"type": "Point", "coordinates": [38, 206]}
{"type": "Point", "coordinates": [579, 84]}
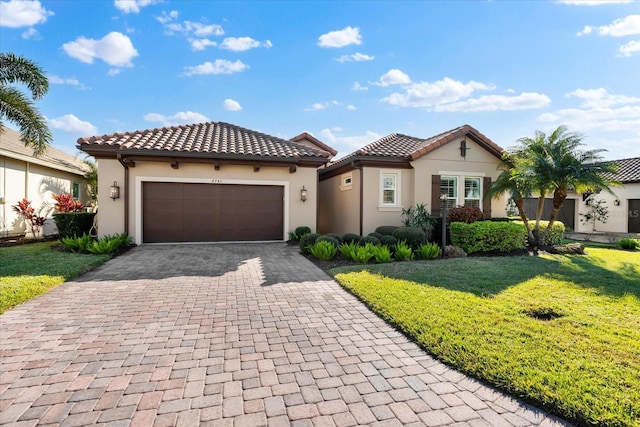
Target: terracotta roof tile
{"type": "Point", "coordinates": [10, 140]}
{"type": "Point", "coordinates": [205, 138]}
{"type": "Point", "coordinates": [629, 170]}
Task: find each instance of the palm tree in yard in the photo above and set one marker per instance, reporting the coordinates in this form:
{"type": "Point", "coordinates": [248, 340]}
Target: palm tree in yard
{"type": "Point", "coordinates": [19, 108]}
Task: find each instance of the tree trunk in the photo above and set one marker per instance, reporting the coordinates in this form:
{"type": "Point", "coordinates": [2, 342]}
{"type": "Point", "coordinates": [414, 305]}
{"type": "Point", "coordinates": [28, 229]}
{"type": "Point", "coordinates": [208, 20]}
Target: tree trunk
{"type": "Point", "coordinates": [559, 196]}
{"type": "Point", "coordinates": [520, 205]}
{"type": "Point", "coordinates": [537, 234]}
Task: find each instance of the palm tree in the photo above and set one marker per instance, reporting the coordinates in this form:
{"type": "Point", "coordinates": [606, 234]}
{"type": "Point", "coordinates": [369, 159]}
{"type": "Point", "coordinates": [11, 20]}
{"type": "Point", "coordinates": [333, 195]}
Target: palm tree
{"type": "Point", "coordinates": [92, 179]}
{"type": "Point", "coordinates": [19, 108]}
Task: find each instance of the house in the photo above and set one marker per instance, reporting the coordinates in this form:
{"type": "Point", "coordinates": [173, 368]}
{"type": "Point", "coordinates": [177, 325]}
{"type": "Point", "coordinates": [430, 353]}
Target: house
{"type": "Point", "coordinates": [205, 182]}
{"type": "Point", "coordinates": [371, 187]}
{"type": "Point", "coordinates": [35, 178]}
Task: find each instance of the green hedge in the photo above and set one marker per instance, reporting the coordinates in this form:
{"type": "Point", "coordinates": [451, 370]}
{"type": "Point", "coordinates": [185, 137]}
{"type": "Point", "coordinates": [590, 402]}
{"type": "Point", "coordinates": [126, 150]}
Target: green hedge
{"type": "Point", "coordinates": [556, 234]}
{"type": "Point", "coordinates": [73, 224]}
{"type": "Point", "coordinates": [413, 236]}
{"type": "Point", "coordinates": [487, 236]}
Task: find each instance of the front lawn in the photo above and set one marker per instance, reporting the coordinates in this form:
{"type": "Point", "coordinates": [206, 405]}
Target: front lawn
{"type": "Point", "coordinates": [27, 271]}
{"type": "Point", "coordinates": [560, 331]}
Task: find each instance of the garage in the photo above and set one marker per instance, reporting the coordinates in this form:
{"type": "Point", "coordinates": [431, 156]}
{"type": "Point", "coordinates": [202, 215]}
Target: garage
{"type": "Point", "coordinates": [201, 212]}
{"type": "Point", "coordinates": [634, 216]}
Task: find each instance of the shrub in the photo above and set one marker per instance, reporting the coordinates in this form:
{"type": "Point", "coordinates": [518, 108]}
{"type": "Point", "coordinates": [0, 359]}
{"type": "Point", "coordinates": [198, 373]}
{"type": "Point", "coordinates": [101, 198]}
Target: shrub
{"type": "Point", "coordinates": [376, 235]}
{"type": "Point", "coordinates": [71, 224]}
{"type": "Point", "coordinates": [386, 230]}
{"type": "Point", "coordinates": [412, 236]}
{"type": "Point", "coordinates": [77, 244]}
{"type": "Point", "coordinates": [402, 251]}
{"type": "Point", "coordinates": [556, 234]}
{"type": "Point", "coordinates": [25, 210]}
{"type": "Point", "coordinates": [348, 250]}
{"type": "Point", "coordinates": [629, 243]}
{"type": "Point", "coordinates": [324, 250]}
{"type": "Point", "coordinates": [109, 244]}
{"type": "Point", "coordinates": [389, 241]}
{"type": "Point", "coordinates": [466, 214]}
{"type": "Point", "coordinates": [293, 236]}
{"type": "Point", "coordinates": [301, 231]}
{"type": "Point", "coordinates": [369, 240]}
{"type": "Point", "coordinates": [363, 254]}
{"type": "Point", "coordinates": [329, 239]}
{"type": "Point", "coordinates": [351, 238]}
{"type": "Point", "coordinates": [487, 236]}
{"type": "Point", "coordinates": [382, 254]}
{"type": "Point", "coordinates": [307, 240]}
{"type": "Point", "coordinates": [428, 251]}
{"type": "Point", "coordinates": [418, 217]}
{"type": "Point", "coordinates": [66, 203]}
{"type": "Point", "coordinates": [335, 236]}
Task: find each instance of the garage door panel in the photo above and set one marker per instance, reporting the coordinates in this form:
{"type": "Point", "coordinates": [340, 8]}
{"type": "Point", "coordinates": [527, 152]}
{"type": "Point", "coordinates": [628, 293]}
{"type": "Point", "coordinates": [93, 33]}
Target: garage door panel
{"type": "Point", "coordinates": [186, 212]}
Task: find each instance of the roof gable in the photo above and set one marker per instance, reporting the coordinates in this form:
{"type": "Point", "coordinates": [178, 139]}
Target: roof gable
{"type": "Point", "coordinates": [307, 137]}
{"type": "Point", "coordinates": [11, 145]}
{"type": "Point", "coordinates": [205, 140]}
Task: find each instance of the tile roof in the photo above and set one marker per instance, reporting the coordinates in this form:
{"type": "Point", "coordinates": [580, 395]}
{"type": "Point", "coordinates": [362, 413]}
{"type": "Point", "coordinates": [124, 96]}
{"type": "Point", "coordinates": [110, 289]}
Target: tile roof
{"type": "Point", "coordinates": [405, 147]}
{"type": "Point", "coordinates": [307, 136]}
{"type": "Point", "coordinates": [211, 139]}
{"type": "Point", "coordinates": [11, 141]}
{"type": "Point", "coordinates": [629, 170]}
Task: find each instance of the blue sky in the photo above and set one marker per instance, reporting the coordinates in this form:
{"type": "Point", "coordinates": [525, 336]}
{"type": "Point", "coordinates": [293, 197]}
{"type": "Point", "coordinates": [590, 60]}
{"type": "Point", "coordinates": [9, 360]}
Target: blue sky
{"type": "Point", "coordinates": [348, 72]}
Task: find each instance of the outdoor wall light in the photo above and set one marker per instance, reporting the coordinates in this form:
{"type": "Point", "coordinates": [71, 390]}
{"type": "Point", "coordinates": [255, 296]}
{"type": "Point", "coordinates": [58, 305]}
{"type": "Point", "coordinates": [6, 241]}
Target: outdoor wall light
{"type": "Point", "coordinates": [114, 191]}
{"type": "Point", "coordinates": [616, 202]}
{"type": "Point", "coordinates": [303, 194]}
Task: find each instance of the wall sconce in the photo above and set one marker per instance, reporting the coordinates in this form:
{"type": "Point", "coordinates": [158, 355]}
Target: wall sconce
{"type": "Point", "coordinates": [114, 191]}
{"type": "Point", "coordinates": [303, 194]}
{"type": "Point", "coordinates": [616, 202]}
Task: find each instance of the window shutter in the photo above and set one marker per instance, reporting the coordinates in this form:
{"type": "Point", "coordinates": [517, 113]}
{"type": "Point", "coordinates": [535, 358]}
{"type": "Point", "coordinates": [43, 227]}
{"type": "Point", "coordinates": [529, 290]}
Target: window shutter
{"type": "Point", "coordinates": [435, 195]}
{"type": "Point", "coordinates": [486, 201]}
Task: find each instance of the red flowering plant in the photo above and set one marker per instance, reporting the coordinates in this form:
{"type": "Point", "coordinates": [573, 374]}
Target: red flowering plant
{"type": "Point", "coordinates": [25, 210]}
{"type": "Point", "coordinates": [66, 203]}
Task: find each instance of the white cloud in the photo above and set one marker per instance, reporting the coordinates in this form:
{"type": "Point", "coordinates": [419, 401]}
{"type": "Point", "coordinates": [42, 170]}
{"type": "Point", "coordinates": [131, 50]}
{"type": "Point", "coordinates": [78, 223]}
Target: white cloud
{"type": "Point", "coordinates": [231, 105]}
{"type": "Point", "coordinates": [357, 87]}
{"type": "Point", "coordinates": [356, 57]}
{"type": "Point", "coordinates": [219, 66]}
{"type": "Point", "coordinates": [132, 6]}
{"type": "Point", "coordinates": [21, 13]}
{"type": "Point", "coordinates": [599, 110]}
{"type": "Point", "coordinates": [392, 77]}
{"type": "Point", "coordinates": [627, 26]}
{"type": "Point", "coordinates": [201, 44]}
{"type": "Point", "coordinates": [115, 49]}
{"type": "Point", "coordinates": [31, 33]}
{"type": "Point", "coordinates": [114, 72]}
{"type": "Point", "coordinates": [240, 44]}
{"type": "Point", "coordinates": [592, 2]}
{"type": "Point", "coordinates": [56, 80]}
{"type": "Point", "coordinates": [182, 117]}
{"type": "Point", "coordinates": [322, 105]}
{"type": "Point", "coordinates": [426, 94]}
{"type": "Point", "coordinates": [524, 101]}
{"type": "Point", "coordinates": [188, 28]}
{"type": "Point", "coordinates": [630, 48]}
{"type": "Point", "coordinates": [71, 124]}
{"type": "Point", "coordinates": [341, 38]}
{"type": "Point", "coordinates": [351, 107]}
{"type": "Point", "coordinates": [347, 144]}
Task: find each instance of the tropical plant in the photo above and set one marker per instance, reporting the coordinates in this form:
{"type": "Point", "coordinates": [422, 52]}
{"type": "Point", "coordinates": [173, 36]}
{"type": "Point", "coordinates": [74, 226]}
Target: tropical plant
{"type": "Point", "coordinates": [419, 217]}
{"type": "Point", "coordinates": [26, 211]}
{"type": "Point", "coordinates": [92, 179]}
{"type": "Point", "coordinates": [109, 243]}
{"type": "Point", "coordinates": [629, 243]}
{"type": "Point", "coordinates": [19, 108]}
{"type": "Point", "coordinates": [66, 203]}
{"type": "Point", "coordinates": [428, 251]}
{"type": "Point", "coordinates": [328, 238]}
{"type": "Point", "coordinates": [307, 240]}
{"type": "Point", "coordinates": [77, 244]}
{"type": "Point", "coordinates": [382, 254]}
{"type": "Point", "coordinates": [402, 251]}
{"type": "Point", "coordinates": [348, 250]}
{"type": "Point", "coordinates": [323, 250]}
{"type": "Point", "coordinates": [363, 254]}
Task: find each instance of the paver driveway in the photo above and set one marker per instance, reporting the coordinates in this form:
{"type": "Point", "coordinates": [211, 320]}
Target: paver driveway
{"type": "Point", "coordinates": [238, 334]}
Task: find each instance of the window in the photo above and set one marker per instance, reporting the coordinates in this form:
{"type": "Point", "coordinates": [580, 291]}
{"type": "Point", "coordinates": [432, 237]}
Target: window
{"type": "Point", "coordinates": [346, 182]}
{"type": "Point", "coordinates": [75, 190]}
{"type": "Point", "coordinates": [449, 186]}
{"type": "Point", "coordinates": [389, 188]}
{"type": "Point", "coordinates": [472, 192]}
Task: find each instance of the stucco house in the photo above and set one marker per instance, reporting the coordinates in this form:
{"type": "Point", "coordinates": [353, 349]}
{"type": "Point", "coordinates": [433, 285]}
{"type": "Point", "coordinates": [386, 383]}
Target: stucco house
{"type": "Point", "coordinates": [372, 185]}
{"type": "Point", "coordinates": [35, 178]}
{"type": "Point", "coordinates": [205, 182]}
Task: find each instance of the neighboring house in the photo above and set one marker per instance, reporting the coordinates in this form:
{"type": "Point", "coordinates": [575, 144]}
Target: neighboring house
{"type": "Point", "coordinates": [206, 182]}
{"type": "Point", "coordinates": [371, 186]}
{"type": "Point", "coordinates": [35, 178]}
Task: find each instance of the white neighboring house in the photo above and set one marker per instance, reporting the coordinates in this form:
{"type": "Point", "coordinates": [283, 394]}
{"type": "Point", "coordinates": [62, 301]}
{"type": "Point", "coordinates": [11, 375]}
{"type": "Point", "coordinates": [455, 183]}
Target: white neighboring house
{"type": "Point", "coordinates": [35, 178]}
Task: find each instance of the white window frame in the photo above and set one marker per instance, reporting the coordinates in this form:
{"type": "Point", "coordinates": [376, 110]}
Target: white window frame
{"type": "Point", "coordinates": [396, 174]}
{"type": "Point", "coordinates": [346, 182]}
{"type": "Point", "coordinates": [460, 191]}
{"type": "Point", "coordinates": [465, 195]}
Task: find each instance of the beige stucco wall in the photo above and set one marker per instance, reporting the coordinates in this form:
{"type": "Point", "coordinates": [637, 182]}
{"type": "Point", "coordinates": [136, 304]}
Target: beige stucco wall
{"type": "Point", "coordinates": [447, 160]}
{"type": "Point", "coordinates": [375, 214]}
{"type": "Point", "coordinates": [111, 213]}
{"type": "Point", "coordinates": [340, 205]}
{"type": "Point", "coordinates": [618, 221]}
{"type": "Point", "coordinates": [20, 179]}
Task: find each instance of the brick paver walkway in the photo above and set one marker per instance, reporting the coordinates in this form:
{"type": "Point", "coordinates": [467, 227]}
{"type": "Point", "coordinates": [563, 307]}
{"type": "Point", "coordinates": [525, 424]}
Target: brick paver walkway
{"type": "Point", "coordinates": [221, 335]}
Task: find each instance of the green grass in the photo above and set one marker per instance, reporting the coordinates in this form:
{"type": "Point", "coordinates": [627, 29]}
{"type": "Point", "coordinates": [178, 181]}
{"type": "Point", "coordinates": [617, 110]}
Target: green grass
{"type": "Point", "coordinates": [29, 270]}
{"type": "Point", "coordinates": [471, 313]}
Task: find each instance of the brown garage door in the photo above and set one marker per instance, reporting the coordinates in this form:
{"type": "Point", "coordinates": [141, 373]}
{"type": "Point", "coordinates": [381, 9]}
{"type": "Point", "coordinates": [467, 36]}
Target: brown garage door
{"type": "Point", "coordinates": [180, 212]}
